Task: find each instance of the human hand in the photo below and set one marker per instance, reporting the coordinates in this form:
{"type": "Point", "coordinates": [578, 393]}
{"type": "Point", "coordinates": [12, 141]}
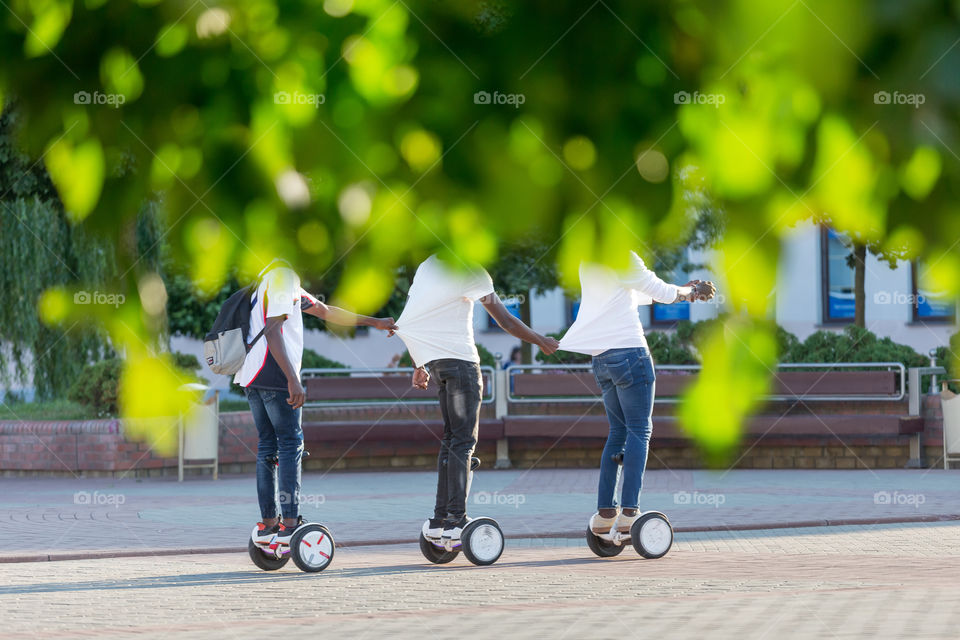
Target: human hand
{"type": "Point", "coordinates": [297, 395]}
{"type": "Point", "coordinates": [385, 324]}
{"type": "Point", "coordinates": [421, 378]}
{"type": "Point", "coordinates": [704, 290]}
{"type": "Point", "coordinates": [549, 345]}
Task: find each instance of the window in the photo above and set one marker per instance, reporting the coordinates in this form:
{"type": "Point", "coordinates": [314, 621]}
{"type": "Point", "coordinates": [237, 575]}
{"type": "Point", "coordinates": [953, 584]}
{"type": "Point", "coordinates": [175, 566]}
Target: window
{"type": "Point", "coordinates": [669, 313]}
{"type": "Point", "coordinates": [930, 306]}
{"type": "Point", "coordinates": [513, 306]}
{"type": "Point", "coordinates": [836, 278]}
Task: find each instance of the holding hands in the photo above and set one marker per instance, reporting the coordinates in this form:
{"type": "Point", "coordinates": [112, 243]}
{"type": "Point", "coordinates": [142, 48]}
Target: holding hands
{"type": "Point", "coordinates": [701, 290]}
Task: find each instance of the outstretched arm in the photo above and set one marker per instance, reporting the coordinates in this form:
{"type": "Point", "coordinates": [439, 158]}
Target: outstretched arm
{"type": "Point", "coordinates": [515, 327]}
{"type": "Point", "coordinates": [313, 306]}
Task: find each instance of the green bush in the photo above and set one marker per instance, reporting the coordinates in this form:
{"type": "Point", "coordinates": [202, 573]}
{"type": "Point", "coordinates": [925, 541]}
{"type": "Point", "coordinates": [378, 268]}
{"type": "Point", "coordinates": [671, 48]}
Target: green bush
{"type": "Point", "coordinates": [313, 360]}
{"type": "Point", "coordinates": [186, 361]}
{"type": "Point", "coordinates": [948, 357]}
{"type": "Point", "coordinates": [96, 387]}
{"type": "Point", "coordinates": [668, 348]}
{"type": "Point", "coordinates": [560, 356]}
{"type": "Point", "coordinates": [853, 344]}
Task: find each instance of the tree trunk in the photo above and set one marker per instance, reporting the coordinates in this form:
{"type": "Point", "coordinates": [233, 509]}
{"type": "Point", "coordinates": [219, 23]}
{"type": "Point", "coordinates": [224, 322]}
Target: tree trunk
{"type": "Point", "coordinates": [859, 291]}
{"type": "Point", "coordinates": [525, 315]}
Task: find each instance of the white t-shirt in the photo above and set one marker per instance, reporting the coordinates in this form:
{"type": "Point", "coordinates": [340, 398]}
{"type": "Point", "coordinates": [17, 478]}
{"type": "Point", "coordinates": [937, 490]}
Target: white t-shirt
{"type": "Point", "coordinates": [437, 321]}
{"type": "Point", "coordinates": [279, 294]}
{"type": "Point", "coordinates": [608, 316]}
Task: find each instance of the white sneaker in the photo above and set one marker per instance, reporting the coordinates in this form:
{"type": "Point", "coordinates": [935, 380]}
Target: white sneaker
{"type": "Point", "coordinates": [600, 525]}
{"type": "Point", "coordinates": [624, 522]}
{"type": "Point", "coordinates": [432, 529]}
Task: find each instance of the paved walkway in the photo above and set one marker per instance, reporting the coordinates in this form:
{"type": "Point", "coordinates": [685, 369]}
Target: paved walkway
{"type": "Point", "coordinates": [888, 581]}
{"type": "Point", "coordinates": [43, 518]}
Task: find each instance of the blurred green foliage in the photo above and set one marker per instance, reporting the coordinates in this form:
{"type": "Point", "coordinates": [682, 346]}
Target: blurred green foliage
{"type": "Point", "coordinates": [362, 136]}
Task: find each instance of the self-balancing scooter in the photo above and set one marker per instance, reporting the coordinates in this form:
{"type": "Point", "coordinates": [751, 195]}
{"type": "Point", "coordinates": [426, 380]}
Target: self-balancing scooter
{"type": "Point", "coordinates": [651, 535]}
{"type": "Point", "coordinates": [311, 546]}
{"type": "Point", "coordinates": [481, 541]}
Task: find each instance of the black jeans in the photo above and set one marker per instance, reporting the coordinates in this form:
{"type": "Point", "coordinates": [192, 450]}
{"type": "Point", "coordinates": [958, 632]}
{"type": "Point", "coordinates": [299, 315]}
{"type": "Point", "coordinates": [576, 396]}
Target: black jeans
{"type": "Point", "coordinates": [461, 388]}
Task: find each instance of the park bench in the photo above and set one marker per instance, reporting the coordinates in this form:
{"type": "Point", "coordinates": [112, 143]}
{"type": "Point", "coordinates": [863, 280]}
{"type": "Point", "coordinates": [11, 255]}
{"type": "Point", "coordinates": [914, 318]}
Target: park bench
{"type": "Point", "coordinates": [808, 403]}
{"type": "Point", "coordinates": [370, 411]}
{"type": "Point", "coordinates": [383, 397]}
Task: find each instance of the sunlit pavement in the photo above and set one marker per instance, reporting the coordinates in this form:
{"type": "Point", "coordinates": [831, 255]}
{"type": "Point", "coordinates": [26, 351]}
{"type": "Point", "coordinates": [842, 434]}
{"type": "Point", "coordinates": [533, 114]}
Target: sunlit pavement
{"type": "Point", "coordinates": [829, 582]}
{"type": "Point", "coordinates": [43, 518]}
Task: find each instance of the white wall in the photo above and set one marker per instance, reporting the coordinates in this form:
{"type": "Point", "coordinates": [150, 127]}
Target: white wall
{"type": "Point", "coordinates": [798, 309]}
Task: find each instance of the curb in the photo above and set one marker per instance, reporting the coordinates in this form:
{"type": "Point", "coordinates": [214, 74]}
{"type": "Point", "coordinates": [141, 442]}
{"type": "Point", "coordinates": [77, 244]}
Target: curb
{"type": "Point", "coordinates": [763, 526]}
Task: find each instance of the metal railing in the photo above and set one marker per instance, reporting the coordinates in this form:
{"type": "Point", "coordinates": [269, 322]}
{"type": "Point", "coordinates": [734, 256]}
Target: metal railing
{"type": "Point", "coordinates": [489, 390]}
{"type": "Point", "coordinates": [916, 375]}
{"type": "Point", "coordinates": [896, 366]}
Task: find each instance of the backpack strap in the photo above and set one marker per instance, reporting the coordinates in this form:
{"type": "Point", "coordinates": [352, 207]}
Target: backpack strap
{"type": "Point", "coordinates": [254, 287]}
{"type": "Point", "coordinates": [276, 262]}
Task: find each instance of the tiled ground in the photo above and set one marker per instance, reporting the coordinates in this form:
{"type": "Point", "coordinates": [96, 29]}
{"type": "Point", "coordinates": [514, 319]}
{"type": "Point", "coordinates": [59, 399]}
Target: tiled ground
{"type": "Point", "coordinates": [50, 516]}
{"type": "Point", "coordinates": [890, 581]}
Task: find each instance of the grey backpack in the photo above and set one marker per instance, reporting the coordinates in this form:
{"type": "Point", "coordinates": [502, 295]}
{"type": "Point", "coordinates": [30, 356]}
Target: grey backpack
{"type": "Point", "coordinates": [225, 347]}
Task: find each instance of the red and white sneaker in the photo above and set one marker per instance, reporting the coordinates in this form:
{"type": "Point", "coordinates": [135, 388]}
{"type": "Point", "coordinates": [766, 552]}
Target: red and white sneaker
{"type": "Point", "coordinates": [264, 534]}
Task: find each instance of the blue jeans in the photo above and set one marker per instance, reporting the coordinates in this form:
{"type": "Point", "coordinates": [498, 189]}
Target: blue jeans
{"type": "Point", "coordinates": [278, 425]}
{"type": "Point", "coordinates": [461, 391]}
{"type": "Point", "coordinates": [627, 380]}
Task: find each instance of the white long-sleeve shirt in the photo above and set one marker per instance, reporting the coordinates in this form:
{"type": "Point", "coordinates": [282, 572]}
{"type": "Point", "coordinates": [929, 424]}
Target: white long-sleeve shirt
{"type": "Point", "coordinates": [608, 316]}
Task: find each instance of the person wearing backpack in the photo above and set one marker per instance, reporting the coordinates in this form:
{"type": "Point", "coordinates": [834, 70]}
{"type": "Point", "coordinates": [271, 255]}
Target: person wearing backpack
{"type": "Point", "coordinates": [270, 376]}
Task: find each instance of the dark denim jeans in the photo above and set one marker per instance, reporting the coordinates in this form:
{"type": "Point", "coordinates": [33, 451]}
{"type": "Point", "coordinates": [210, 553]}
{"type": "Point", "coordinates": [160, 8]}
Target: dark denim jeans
{"type": "Point", "coordinates": [278, 425]}
{"type": "Point", "coordinates": [627, 380]}
{"type": "Point", "coordinates": [461, 388]}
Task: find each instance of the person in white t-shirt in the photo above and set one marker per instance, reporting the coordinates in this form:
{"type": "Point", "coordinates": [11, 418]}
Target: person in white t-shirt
{"type": "Point", "coordinates": [437, 327]}
{"type": "Point", "coordinates": [270, 376]}
{"type": "Point", "coordinates": [608, 328]}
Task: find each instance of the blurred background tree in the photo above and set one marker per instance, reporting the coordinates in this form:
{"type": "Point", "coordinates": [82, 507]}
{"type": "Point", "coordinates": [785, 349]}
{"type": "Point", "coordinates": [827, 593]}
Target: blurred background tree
{"type": "Point", "coordinates": [363, 135]}
{"type": "Point", "coordinates": [520, 273]}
